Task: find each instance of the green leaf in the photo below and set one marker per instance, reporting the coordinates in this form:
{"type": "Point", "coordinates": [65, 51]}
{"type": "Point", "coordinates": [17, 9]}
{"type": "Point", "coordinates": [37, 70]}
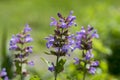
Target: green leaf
{"type": "Point", "coordinates": [50, 53]}
{"type": "Point", "coordinates": [4, 57]}
{"type": "Point", "coordinates": [47, 62]}
{"type": "Point", "coordinates": [47, 53]}
{"type": "Point", "coordinates": [60, 65]}
{"type": "Point", "coordinates": [34, 77]}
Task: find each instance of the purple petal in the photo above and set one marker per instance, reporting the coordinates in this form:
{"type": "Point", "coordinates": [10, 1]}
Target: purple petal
{"type": "Point", "coordinates": [29, 49]}
{"type": "Point", "coordinates": [6, 78]}
{"type": "Point", "coordinates": [31, 63]}
{"type": "Point", "coordinates": [89, 55]}
{"type": "Point", "coordinates": [3, 72]}
{"type": "Point", "coordinates": [95, 63]}
{"type": "Point", "coordinates": [54, 22]}
{"type": "Point", "coordinates": [63, 25]}
{"type": "Point", "coordinates": [13, 47]}
{"type": "Point", "coordinates": [28, 39]}
{"type": "Point", "coordinates": [95, 35]}
{"type": "Point", "coordinates": [92, 70]}
{"type": "Point", "coordinates": [50, 40]}
{"type": "Point", "coordinates": [77, 60]}
{"type": "Point", "coordinates": [51, 67]}
{"type": "Point", "coordinates": [27, 28]}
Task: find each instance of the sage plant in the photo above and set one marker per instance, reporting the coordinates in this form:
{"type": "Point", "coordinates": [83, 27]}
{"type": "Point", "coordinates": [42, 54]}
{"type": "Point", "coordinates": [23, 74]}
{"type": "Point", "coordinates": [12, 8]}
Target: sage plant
{"type": "Point", "coordinates": [61, 41]}
{"type": "Point", "coordinates": [3, 74]}
{"type": "Point", "coordinates": [83, 41]}
{"type": "Point", "coordinates": [18, 43]}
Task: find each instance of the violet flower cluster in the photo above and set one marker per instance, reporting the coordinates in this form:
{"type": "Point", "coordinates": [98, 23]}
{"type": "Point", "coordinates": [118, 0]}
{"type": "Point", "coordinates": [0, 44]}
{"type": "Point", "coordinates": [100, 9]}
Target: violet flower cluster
{"type": "Point", "coordinates": [83, 41]}
{"type": "Point", "coordinates": [18, 43]}
{"type": "Point", "coordinates": [61, 41]}
{"type": "Point", "coordinates": [3, 74]}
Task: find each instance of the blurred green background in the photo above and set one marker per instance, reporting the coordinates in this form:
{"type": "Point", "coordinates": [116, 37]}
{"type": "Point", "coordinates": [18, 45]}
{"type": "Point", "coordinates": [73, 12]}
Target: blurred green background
{"type": "Point", "coordinates": [104, 15]}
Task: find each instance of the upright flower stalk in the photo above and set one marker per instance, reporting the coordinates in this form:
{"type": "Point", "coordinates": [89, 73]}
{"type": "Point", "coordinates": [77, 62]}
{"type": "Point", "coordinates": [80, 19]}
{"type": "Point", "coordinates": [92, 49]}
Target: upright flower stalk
{"type": "Point", "coordinates": [83, 41]}
{"type": "Point", "coordinates": [18, 44]}
{"type": "Point", "coordinates": [61, 42]}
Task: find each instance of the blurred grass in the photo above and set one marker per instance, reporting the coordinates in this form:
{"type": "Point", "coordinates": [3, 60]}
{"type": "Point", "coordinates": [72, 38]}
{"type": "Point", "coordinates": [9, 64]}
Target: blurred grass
{"type": "Point", "coordinates": [104, 15]}
{"type": "Point", "coordinates": [6, 60]}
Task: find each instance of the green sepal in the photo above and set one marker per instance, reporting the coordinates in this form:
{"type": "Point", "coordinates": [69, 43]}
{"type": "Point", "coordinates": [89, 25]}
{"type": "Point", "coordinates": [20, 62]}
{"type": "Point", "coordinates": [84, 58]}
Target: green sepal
{"type": "Point", "coordinates": [65, 33]}
{"type": "Point", "coordinates": [53, 52]}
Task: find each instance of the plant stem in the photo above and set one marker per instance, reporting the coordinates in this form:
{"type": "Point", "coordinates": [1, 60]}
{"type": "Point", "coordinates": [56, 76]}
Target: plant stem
{"type": "Point", "coordinates": [84, 73]}
{"type": "Point", "coordinates": [21, 74]}
{"type": "Point", "coordinates": [56, 67]}
{"type": "Point", "coordinates": [21, 71]}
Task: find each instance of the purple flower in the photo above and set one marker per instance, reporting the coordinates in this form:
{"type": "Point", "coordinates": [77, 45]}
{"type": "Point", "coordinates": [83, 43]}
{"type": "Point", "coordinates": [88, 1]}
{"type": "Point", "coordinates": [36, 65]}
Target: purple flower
{"type": "Point", "coordinates": [31, 63]}
{"type": "Point", "coordinates": [14, 40]}
{"type": "Point", "coordinates": [65, 48]}
{"type": "Point", "coordinates": [63, 22]}
{"type": "Point", "coordinates": [94, 34]}
{"type": "Point", "coordinates": [29, 49]}
{"type": "Point", "coordinates": [63, 25]}
{"type": "Point", "coordinates": [61, 41]}
{"type": "Point", "coordinates": [20, 56]}
{"type": "Point", "coordinates": [89, 28]}
{"type": "Point", "coordinates": [77, 60]}
{"type": "Point", "coordinates": [83, 38]}
{"type": "Point", "coordinates": [28, 39]}
{"type": "Point", "coordinates": [71, 39]}
{"type": "Point", "coordinates": [92, 70]}
{"type": "Point", "coordinates": [51, 67]}
{"type": "Point", "coordinates": [83, 41]}
{"type": "Point", "coordinates": [50, 42]}
{"type": "Point", "coordinates": [27, 29]}
{"type": "Point", "coordinates": [88, 55]}
{"type": "Point", "coordinates": [18, 44]}
{"type": "Point", "coordinates": [13, 47]}
{"type": "Point", "coordinates": [54, 22]}
{"type": "Point", "coordinates": [71, 19]}
{"type": "Point", "coordinates": [6, 78]}
{"type": "Point", "coordinates": [94, 63]}
{"type": "Point", "coordinates": [3, 74]}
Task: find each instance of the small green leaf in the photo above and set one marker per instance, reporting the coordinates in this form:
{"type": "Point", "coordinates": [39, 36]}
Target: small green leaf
{"type": "Point", "coordinates": [43, 59]}
{"type": "Point", "coordinates": [47, 53]}
{"type": "Point", "coordinates": [60, 65]}
{"type": "Point", "coordinates": [50, 53]}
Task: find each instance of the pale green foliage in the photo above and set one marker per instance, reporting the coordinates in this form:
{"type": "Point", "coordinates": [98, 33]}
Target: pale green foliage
{"type": "Point", "coordinates": [35, 77]}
